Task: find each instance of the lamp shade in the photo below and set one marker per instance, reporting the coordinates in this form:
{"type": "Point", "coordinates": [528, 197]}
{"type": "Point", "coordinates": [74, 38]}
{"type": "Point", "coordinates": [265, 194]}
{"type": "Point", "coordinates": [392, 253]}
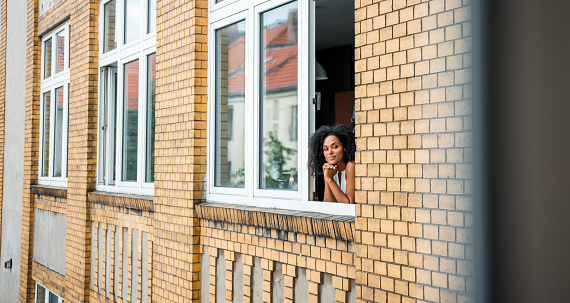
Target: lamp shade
{"type": "Point", "coordinates": [320, 73]}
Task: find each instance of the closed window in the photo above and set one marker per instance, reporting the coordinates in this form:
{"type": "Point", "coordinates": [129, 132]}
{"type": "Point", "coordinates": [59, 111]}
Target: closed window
{"type": "Point", "coordinates": [54, 108]}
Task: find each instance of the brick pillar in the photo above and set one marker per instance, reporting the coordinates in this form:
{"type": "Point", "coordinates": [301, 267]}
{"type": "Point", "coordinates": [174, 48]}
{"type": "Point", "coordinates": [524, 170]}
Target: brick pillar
{"type": "Point", "coordinates": [414, 183]}
{"type": "Point", "coordinates": [84, 54]}
{"type": "Point", "coordinates": [180, 148]}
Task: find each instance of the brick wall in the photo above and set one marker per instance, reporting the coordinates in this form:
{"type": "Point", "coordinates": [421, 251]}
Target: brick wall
{"type": "Point", "coordinates": [414, 187]}
{"type": "Point", "coordinates": [180, 147]}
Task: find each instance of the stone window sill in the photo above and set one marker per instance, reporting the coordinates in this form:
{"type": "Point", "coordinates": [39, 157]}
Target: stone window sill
{"type": "Point", "coordinates": [123, 200]}
{"type": "Point", "coordinates": [52, 191]}
{"type": "Point", "coordinates": [317, 224]}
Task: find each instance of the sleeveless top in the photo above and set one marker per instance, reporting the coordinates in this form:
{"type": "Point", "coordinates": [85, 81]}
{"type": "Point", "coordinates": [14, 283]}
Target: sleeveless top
{"type": "Point", "coordinates": [342, 182]}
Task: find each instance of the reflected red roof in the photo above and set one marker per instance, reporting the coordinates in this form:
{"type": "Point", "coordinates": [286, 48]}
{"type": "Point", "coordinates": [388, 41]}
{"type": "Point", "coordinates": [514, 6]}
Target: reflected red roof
{"type": "Point", "coordinates": [280, 60]}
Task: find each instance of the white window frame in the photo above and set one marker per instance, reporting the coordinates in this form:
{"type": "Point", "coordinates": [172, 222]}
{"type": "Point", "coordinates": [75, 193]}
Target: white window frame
{"type": "Point", "coordinates": [229, 12]}
{"type": "Point", "coordinates": [46, 298]}
{"type": "Point", "coordinates": [138, 49]}
{"type": "Point", "coordinates": [49, 85]}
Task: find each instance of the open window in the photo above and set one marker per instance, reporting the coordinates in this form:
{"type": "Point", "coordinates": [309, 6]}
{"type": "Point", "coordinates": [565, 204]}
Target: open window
{"type": "Point", "coordinates": [263, 105]}
{"type": "Point", "coordinates": [54, 107]}
{"type": "Point", "coordinates": [127, 78]}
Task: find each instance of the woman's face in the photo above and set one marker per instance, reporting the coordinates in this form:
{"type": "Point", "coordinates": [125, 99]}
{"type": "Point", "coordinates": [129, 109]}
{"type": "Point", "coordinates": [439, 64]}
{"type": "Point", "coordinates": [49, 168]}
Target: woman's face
{"type": "Point", "coordinates": [333, 151]}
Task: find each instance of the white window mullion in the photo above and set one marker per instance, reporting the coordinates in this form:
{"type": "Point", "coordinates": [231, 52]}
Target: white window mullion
{"type": "Point", "coordinates": [251, 114]}
{"type": "Point", "coordinates": [256, 57]}
{"type": "Point", "coordinates": [305, 78]}
{"type": "Point", "coordinates": [141, 121]}
{"type": "Point", "coordinates": [119, 133]}
{"type": "Point", "coordinates": [65, 130]}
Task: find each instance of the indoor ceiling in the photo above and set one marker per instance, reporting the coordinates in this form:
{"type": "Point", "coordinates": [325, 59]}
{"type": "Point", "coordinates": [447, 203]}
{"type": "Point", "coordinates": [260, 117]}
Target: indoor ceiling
{"type": "Point", "coordinates": [334, 23]}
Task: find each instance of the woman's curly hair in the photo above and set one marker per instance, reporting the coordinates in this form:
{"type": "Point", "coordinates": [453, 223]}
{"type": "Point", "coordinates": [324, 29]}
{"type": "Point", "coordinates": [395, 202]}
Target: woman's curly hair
{"type": "Point", "coordinates": [316, 157]}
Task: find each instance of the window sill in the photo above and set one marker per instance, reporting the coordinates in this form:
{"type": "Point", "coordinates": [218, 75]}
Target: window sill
{"type": "Point", "coordinates": [139, 202]}
{"type": "Point", "coordinates": [311, 223]}
{"type": "Point", "coordinates": [52, 191]}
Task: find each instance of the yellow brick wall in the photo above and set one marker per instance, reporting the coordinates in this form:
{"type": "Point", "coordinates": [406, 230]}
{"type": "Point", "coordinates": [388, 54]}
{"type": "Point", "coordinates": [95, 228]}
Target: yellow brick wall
{"type": "Point", "coordinates": [414, 183]}
{"type": "Point", "coordinates": [180, 147]}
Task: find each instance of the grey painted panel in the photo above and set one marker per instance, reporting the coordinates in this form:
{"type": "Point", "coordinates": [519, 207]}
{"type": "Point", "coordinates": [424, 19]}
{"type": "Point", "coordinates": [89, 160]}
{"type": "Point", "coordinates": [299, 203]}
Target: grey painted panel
{"type": "Point", "coordinates": [99, 258]}
{"type": "Point", "coordinates": [327, 289]}
{"type": "Point", "coordinates": [238, 279]}
{"type": "Point", "coordinates": [278, 284]}
{"type": "Point", "coordinates": [117, 260]}
{"type": "Point", "coordinates": [221, 277]}
{"type": "Point", "coordinates": [93, 248]}
{"type": "Point", "coordinates": [205, 276]}
{"type": "Point", "coordinates": [144, 268]}
{"type": "Point", "coordinates": [257, 283]}
{"type": "Point", "coordinates": [125, 283]}
{"type": "Point", "coordinates": [301, 286]}
{"type": "Point", "coordinates": [135, 263]}
{"type": "Point", "coordinates": [13, 149]}
{"type": "Point", "coordinates": [108, 263]}
{"type": "Point", "coordinates": [49, 239]}
{"type": "Point", "coordinates": [352, 292]}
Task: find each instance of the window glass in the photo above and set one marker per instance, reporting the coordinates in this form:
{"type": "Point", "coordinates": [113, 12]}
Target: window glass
{"type": "Point", "coordinates": [58, 132]}
{"type": "Point", "coordinates": [150, 119]}
{"type": "Point", "coordinates": [151, 16]}
{"type": "Point", "coordinates": [47, 58]}
{"type": "Point", "coordinates": [110, 37]}
{"type": "Point", "coordinates": [41, 294]}
{"type": "Point", "coordinates": [130, 120]}
{"type": "Point", "coordinates": [53, 297]}
{"type": "Point", "coordinates": [230, 106]}
{"type": "Point", "coordinates": [46, 133]}
{"type": "Point", "coordinates": [60, 51]}
{"type": "Point", "coordinates": [278, 93]}
{"type": "Point", "coordinates": [133, 13]}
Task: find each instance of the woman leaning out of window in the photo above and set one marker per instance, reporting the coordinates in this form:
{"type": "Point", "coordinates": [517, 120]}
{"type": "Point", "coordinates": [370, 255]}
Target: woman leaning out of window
{"type": "Point", "coordinates": [331, 153]}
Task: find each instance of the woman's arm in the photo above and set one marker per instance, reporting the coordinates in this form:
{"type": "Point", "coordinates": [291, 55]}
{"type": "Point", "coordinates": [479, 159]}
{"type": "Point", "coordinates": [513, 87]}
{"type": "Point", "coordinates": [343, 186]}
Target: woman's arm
{"type": "Point", "coordinates": [333, 193]}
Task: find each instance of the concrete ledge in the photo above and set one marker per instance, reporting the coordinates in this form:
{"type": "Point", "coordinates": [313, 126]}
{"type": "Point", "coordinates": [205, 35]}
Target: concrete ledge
{"type": "Point", "coordinates": [123, 200]}
{"type": "Point", "coordinates": [310, 223]}
{"type": "Point", "coordinates": [52, 191]}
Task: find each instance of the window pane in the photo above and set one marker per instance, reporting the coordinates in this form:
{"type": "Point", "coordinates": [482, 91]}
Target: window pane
{"type": "Point", "coordinates": [47, 58]}
{"type": "Point", "coordinates": [151, 16]}
{"type": "Point", "coordinates": [130, 121]}
{"type": "Point", "coordinates": [41, 294]}
{"type": "Point", "coordinates": [110, 40]}
{"type": "Point", "coordinates": [45, 135]}
{"type": "Point", "coordinates": [60, 51]}
{"type": "Point", "coordinates": [133, 13]}
{"type": "Point", "coordinates": [58, 132]}
{"type": "Point", "coordinates": [230, 106]}
{"type": "Point", "coordinates": [150, 99]}
{"type": "Point", "coordinates": [52, 297]}
{"type": "Point", "coordinates": [277, 96]}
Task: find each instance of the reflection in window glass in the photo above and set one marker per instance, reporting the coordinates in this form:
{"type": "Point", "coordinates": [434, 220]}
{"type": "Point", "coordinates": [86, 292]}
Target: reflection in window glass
{"type": "Point", "coordinates": [133, 13]}
{"type": "Point", "coordinates": [60, 51]}
{"type": "Point", "coordinates": [150, 99]}
{"type": "Point", "coordinates": [41, 294]}
{"type": "Point", "coordinates": [47, 57]}
{"type": "Point", "coordinates": [110, 40]}
{"type": "Point", "coordinates": [230, 106]}
{"type": "Point", "coordinates": [130, 120]}
{"type": "Point", "coordinates": [151, 16]}
{"type": "Point", "coordinates": [278, 93]}
{"type": "Point", "coordinates": [46, 128]}
{"type": "Point", "coordinates": [58, 132]}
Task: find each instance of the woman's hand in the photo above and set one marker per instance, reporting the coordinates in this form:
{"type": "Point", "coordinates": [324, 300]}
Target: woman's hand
{"type": "Point", "coordinates": [329, 171]}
